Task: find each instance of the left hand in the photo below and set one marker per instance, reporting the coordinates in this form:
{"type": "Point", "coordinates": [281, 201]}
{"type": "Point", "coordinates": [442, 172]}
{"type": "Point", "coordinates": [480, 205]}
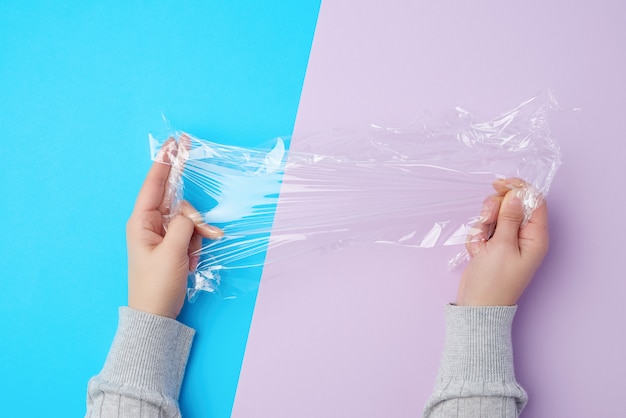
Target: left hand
{"type": "Point", "coordinates": [159, 260]}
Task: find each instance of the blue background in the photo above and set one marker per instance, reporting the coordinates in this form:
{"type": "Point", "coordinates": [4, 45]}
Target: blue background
{"type": "Point", "coordinates": [81, 85]}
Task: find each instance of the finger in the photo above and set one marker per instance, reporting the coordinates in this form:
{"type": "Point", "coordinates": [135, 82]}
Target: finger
{"type": "Point", "coordinates": [151, 193]}
{"type": "Point", "coordinates": [205, 230]}
{"type": "Point", "coordinates": [194, 251]}
{"type": "Point", "coordinates": [534, 236]}
{"type": "Point", "coordinates": [178, 236]}
{"type": "Point", "coordinates": [174, 181]}
{"type": "Point", "coordinates": [540, 215]}
{"type": "Point", "coordinates": [184, 142]}
{"type": "Point", "coordinates": [510, 218]}
{"type": "Point", "coordinates": [503, 186]}
{"type": "Point", "coordinates": [483, 229]}
{"type": "Point", "coordinates": [182, 153]}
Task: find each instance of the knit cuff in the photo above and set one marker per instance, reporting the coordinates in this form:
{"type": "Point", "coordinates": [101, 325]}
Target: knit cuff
{"type": "Point", "coordinates": [478, 343]}
{"type": "Point", "coordinates": [149, 352]}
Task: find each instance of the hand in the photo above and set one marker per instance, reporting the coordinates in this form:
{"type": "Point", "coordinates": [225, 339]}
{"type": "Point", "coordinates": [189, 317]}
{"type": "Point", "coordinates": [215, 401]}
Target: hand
{"type": "Point", "coordinates": [159, 260]}
{"type": "Point", "coordinates": [503, 264]}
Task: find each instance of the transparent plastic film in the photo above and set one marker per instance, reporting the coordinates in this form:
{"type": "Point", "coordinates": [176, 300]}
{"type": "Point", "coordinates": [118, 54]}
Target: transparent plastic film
{"type": "Point", "coordinates": [421, 186]}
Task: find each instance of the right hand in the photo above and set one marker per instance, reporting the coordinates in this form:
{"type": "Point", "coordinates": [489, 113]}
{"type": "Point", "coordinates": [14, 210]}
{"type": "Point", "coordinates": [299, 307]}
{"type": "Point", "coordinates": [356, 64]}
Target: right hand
{"type": "Point", "coordinates": [502, 265]}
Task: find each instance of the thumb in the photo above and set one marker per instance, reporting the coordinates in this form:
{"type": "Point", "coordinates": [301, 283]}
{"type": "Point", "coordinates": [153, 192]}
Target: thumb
{"type": "Point", "coordinates": [178, 235]}
{"type": "Point", "coordinates": [510, 218]}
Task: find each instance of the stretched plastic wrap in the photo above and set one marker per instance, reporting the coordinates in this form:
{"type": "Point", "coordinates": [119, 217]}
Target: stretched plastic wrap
{"type": "Point", "coordinates": [420, 186]}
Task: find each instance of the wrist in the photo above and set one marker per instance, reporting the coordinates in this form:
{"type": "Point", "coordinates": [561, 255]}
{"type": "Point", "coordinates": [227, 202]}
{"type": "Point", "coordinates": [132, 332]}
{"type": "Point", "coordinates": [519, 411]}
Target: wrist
{"type": "Point", "coordinates": [485, 302]}
{"type": "Point", "coordinates": [478, 343]}
{"type": "Point", "coordinates": [153, 309]}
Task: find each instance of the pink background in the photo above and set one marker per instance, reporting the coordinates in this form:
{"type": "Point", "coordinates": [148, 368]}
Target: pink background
{"type": "Point", "coordinates": [359, 332]}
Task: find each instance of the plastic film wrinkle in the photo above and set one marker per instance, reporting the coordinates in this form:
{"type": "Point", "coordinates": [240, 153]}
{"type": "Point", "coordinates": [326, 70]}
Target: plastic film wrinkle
{"type": "Point", "coordinates": [420, 186]}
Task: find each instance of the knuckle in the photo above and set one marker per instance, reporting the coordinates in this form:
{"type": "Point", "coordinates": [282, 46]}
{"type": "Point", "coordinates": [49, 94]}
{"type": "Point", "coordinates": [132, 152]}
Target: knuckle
{"type": "Point", "coordinates": [511, 217]}
{"type": "Point", "coordinates": [183, 220]}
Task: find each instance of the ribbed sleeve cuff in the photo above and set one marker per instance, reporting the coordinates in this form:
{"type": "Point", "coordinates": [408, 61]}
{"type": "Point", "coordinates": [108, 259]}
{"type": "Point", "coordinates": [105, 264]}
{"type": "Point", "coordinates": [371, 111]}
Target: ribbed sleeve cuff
{"type": "Point", "coordinates": [478, 343]}
{"type": "Point", "coordinates": [149, 352]}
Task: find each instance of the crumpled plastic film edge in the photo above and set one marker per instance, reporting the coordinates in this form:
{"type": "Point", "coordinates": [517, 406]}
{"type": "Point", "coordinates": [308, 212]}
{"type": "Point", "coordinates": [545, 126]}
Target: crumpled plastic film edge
{"type": "Point", "coordinates": [429, 178]}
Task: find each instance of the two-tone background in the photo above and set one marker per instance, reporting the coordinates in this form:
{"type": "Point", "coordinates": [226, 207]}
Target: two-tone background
{"type": "Point", "coordinates": [357, 332]}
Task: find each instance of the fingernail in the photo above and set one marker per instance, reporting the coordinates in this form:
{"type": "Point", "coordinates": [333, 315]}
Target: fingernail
{"type": "Point", "coordinates": [162, 154]}
{"type": "Point", "coordinates": [515, 197]}
{"type": "Point", "coordinates": [512, 186]}
{"type": "Point", "coordinates": [212, 230]}
{"type": "Point", "coordinates": [167, 152]}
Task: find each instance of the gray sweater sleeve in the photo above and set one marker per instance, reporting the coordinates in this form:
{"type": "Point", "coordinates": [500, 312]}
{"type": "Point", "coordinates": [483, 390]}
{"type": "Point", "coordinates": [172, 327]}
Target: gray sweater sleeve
{"type": "Point", "coordinates": [144, 369]}
{"type": "Point", "coordinates": [476, 377]}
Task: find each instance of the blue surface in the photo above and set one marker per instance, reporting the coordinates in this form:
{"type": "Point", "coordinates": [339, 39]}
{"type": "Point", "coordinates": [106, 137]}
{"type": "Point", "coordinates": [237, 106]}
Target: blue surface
{"type": "Point", "coordinates": [81, 85]}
